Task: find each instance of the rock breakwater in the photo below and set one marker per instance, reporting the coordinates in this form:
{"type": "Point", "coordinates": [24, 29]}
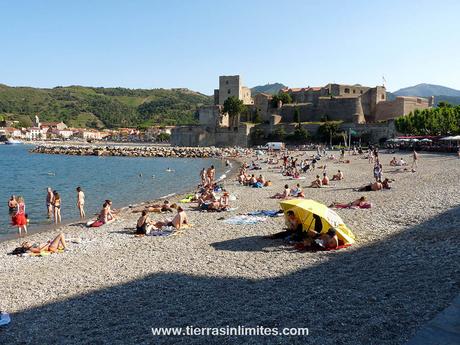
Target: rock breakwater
{"type": "Point", "coordinates": [136, 151]}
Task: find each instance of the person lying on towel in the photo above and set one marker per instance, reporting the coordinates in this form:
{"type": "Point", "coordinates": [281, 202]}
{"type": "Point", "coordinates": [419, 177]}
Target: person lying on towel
{"type": "Point", "coordinates": [358, 203]}
{"type": "Point", "coordinates": [58, 243]}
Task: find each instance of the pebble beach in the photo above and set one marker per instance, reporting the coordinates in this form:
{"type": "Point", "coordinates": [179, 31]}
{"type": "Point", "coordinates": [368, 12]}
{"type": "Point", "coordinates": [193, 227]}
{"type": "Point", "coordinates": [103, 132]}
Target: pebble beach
{"type": "Point", "coordinates": [112, 287]}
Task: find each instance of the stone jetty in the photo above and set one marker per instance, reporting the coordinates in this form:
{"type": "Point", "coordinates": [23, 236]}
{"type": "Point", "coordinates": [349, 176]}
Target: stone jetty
{"type": "Point", "coordinates": [135, 151]}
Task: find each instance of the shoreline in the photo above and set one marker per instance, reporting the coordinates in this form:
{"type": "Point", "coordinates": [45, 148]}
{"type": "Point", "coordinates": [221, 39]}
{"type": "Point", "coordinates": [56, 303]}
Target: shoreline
{"type": "Point", "coordinates": [401, 271]}
{"type": "Point", "coordinates": [124, 210]}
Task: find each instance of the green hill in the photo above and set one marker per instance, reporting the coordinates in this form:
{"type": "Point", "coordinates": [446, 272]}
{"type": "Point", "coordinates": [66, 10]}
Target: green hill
{"type": "Point", "coordinates": [98, 107]}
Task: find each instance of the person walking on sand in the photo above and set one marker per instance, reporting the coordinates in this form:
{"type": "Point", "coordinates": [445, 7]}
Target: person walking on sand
{"type": "Point", "coordinates": [414, 161]}
{"type": "Point", "coordinates": [49, 201]}
{"type": "Point", "coordinates": [211, 174]}
{"type": "Point", "coordinates": [203, 176]}
{"type": "Point", "coordinates": [81, 202]}
{"type": "Point", "coordinates": [56, 207]}
{"type": "Point", "coordinates": [19, 218]}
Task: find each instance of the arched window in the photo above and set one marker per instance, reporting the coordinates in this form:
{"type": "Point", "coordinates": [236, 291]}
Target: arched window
{"type": "Point", "coordinates": [347, 90]}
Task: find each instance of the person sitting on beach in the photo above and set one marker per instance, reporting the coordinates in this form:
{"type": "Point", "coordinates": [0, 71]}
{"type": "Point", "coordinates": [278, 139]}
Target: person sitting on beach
{"type": "Point", "coordinates": [294, 228]}
{"type": "Point", "coordinates": [358, 203]}
{"type": "Point", "coordinates": [284, 195]}
{"type": "Point", "coordinates": [328, 240]}
{"type": "Point", "coordinates": [401, 162]}
{"type": "Point", "coordinates": [338, 176]}
{"type": "Point", "coordinates": [12, 204]}
{"type": "Point", "coordinates": [177, 222]}
{"type": "Point", "coordinates": [386, 183]}
{"type": "Point", "coordinates": [261, 179]}
{"type": "Point", "coordinates": [317, 183]}
{"type": "Point", "coordinates": [373, 187]}
{"type": "Point", "coordinates": [53, 246]}
{"type": "Point", "coordinates": [252, 180]}
{"type": "Point", "coordinates": [297, 191]}
{"type": "Point", "coordinates": [242, 177]}
{"type": "Point", "coordinates": [325, 180]}
{"type": "Point", "coordinates": [144, 224]}
{"type": "Point", "coordinates": [224, 201]}
{"type": "Point", "coordinates": [394, 162]}
{"type": "Point", "coordinates": [167, 207]}
{"type": "Point", "coordinates": [105, 216]}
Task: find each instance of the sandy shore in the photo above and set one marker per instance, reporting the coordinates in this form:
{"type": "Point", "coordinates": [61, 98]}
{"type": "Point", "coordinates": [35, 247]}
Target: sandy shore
{"type": "Point", "coordinates": [113, 287]}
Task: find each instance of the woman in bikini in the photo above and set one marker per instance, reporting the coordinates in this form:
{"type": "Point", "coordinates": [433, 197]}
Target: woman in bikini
{"type": "Point", "coordinates": [57, 207]}
{"type": "Point", "coordinates": [58, 243]}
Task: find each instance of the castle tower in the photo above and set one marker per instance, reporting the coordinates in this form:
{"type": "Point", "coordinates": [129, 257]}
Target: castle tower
{"type": "Point", "coordinates": [358, 115]}
{"type": "Point", "coordinates": [232, 86]}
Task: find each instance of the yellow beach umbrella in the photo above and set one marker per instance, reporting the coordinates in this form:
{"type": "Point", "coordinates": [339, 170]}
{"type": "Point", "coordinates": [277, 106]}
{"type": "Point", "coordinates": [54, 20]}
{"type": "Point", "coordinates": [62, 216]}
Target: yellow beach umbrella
{"type": "Point", "coordinates": [304, 211]}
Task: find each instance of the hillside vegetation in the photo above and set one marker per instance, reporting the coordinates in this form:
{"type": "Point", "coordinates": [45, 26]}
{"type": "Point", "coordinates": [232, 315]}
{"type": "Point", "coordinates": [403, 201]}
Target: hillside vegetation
{"type": "Point", "coordinates": [97, 107]}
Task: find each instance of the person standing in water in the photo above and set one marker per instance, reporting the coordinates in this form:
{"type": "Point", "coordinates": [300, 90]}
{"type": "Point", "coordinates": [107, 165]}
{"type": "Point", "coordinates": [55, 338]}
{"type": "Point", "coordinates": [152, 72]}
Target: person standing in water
{"type": "Point", "coordinates": [57, 207]}
{"type": "Point", "coordinates": [81, 202]}
{"type": "Point", "coordinates": [12, 205]}
{"type": "Point", "coordinates": [19, 218]}
{"type": "Point", "coordinates": [49, 201]}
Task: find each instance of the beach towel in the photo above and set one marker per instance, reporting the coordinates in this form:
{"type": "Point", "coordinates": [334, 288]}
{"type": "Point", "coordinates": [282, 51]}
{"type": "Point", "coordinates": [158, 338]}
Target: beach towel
{"type": "Point", "coordinates": [44, 253]}
{"type": "Point", "coordinates": [187, 199]}
{"type": "Point", "coordinates": [267, 213]}
{"type": "Point", "coordinates": [245, 220]}
{"type": "Point", "coordinates": [164, 232]}
{"type": "Point", "coordinates": [4, 318]}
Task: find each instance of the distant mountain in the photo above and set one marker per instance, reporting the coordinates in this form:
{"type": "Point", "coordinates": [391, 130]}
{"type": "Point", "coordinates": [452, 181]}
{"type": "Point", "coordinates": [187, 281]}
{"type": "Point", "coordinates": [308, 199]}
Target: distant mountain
{"type": "Point", "coordinates": [440, 93]}
{"type": "Point", "coordinates": [271, 89]}
{"type": "Point", "coordinates": [427, 90]}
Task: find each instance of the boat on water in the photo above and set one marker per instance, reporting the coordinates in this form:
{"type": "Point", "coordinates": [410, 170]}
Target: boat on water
{"type": "Point", "coordinates": [13, 142]}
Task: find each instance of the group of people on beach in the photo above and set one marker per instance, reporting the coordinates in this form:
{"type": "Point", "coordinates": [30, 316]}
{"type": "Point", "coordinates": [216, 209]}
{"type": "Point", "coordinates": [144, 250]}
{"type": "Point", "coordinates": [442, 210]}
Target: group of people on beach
{"type": "Point", "coordinates": [210, 196]}
{"type": "Point", "coordinates": [20, 219]}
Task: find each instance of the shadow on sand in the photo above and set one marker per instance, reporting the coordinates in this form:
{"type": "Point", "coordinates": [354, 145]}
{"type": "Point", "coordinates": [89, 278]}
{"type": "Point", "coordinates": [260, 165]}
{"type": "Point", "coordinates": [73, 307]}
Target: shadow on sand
{"type": "Point", "coordinates": [378, 294]}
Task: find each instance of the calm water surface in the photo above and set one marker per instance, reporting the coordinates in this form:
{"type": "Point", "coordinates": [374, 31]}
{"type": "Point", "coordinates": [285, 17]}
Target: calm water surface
{"type": "Point", "coordinates": [115, 178]}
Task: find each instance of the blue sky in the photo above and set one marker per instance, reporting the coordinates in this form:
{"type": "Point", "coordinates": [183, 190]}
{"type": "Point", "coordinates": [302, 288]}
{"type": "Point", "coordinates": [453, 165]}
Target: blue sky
{"type": "Point", "coordinates": [173, 43]}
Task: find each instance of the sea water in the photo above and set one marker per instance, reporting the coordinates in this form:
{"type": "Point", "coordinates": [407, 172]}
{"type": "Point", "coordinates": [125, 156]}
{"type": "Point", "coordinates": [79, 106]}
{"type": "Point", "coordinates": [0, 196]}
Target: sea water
{"type": "Point", "coordinates": [124, 180]}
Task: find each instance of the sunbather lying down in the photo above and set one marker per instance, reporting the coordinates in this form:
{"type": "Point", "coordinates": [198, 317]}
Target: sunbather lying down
{"type": "Point", "coordinates": [165, 207]}
{"type": "Point", "coordinates": [58, 243]}
{"type": "Point", "coordinates": [358, 203]}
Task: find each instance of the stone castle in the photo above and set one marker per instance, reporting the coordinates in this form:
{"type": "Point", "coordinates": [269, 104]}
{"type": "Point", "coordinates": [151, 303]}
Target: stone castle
{"type": "Point", "coordinates": [358, 106]}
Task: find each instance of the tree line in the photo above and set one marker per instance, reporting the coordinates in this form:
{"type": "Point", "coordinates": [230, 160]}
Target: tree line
{"type": "Point", "coordinates": [442, 120]}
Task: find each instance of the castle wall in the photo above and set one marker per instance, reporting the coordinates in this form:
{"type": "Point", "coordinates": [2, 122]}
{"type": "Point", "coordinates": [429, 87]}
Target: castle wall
{"type": "Point", "coordinates": [245, 95]}
{"type": "Point", "coordinates": [347, 109]}
{"type": "Point", "coordinates": [202, 136]}
{"type": "Point", "coordinates": [399, 107]}
{"type": "Point", "coordinates": [212, 116]}
{"type": "Point", "coordinates": [262, 105]}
